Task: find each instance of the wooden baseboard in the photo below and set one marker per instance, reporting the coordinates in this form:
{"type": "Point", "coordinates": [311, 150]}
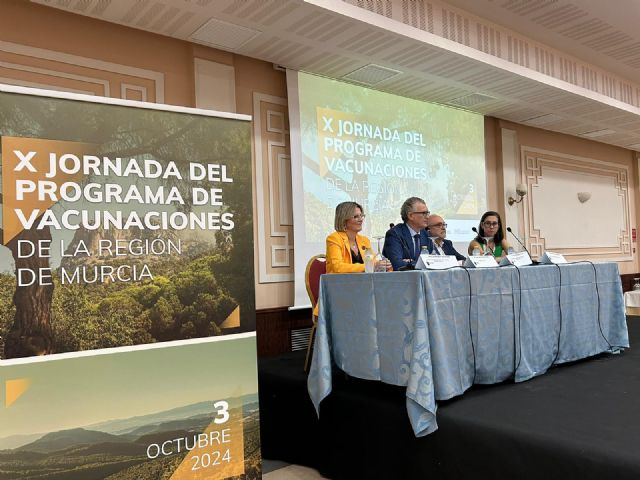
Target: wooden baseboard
{"type": "Point", "coordinates": [273, 329]}
{"type": "Point", "coordinates": [627, 281]}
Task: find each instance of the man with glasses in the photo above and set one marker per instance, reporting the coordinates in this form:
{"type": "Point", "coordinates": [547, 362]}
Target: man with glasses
{"type": "Point", "coordinates": [403, 242]}
{"type": "Point", "coordinates": [438, 231]}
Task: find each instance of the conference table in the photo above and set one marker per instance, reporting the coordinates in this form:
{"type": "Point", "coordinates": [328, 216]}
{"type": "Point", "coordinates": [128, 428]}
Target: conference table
{"type": "Point", "coordinates": [437, 332]}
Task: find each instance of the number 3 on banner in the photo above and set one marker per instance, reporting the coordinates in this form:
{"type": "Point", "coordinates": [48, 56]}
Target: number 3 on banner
{"type": "Point", "coordinates": [222, 410]}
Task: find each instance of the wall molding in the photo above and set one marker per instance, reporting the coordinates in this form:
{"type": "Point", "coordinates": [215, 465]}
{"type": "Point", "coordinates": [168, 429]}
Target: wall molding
{"type": "Point", "coordinates": [510, 178]}
{"type": "Point", "coordinates": [25, 83]}
{"type": "Point", "coordinates": [535, 163]}
{"type": "Point", "coordinates": [125, 87]}
{"type": "Point", "coordinates": [74, 60]}
{"type": "Point", "coordinates": [106, 91]}
{"type": "Point", "coordinates": [273, 180]}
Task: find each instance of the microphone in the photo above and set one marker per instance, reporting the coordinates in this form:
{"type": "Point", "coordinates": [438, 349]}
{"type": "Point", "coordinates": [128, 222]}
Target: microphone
{"type": "Point", "coordinates": [487, 244]}
{"type": "Point", "coordinates": [535, 262]}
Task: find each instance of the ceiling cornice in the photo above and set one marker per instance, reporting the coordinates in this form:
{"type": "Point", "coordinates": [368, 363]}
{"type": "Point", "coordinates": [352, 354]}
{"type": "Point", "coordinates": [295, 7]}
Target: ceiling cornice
{"type": "Point", "coordinates": [443, 55]}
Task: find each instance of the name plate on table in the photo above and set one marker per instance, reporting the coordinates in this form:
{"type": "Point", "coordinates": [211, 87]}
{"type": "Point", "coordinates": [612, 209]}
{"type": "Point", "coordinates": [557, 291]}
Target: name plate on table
{"type": "Point", "coordinates": [480, 261]}
{"type": "Point", "coordinates": [550, 257]}
{"type": "Point", "coordinates": [519, 259]}
{"type": "Point", "coordinates": [436, 262]}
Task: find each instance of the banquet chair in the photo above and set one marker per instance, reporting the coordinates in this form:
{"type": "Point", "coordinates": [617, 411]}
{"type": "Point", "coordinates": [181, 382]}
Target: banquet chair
{"type": "Point", "coordinates": [316, 266]}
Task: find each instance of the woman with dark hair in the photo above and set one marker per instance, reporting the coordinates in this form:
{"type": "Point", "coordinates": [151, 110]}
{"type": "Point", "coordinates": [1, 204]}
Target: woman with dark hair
{"type": "Point", "coordinates": [490, 239]}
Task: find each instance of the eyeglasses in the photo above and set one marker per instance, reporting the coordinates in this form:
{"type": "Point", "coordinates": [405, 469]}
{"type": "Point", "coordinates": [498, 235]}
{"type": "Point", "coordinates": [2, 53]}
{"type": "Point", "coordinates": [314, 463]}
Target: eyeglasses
{"type": "Point", "coordinates": [358, 217]}
{"type": "Point", "coordinates": [426, 213]}
{"type": "Point", "coordinates": [438, 225]}
{"type": "Point", "coordinates": [491, 224]}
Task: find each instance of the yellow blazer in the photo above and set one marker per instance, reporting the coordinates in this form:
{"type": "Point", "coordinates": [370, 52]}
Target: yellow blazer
{"type": "Point", "coordinates": [339, 253]}
{"type": "Point", "coordinates": [339, 256]}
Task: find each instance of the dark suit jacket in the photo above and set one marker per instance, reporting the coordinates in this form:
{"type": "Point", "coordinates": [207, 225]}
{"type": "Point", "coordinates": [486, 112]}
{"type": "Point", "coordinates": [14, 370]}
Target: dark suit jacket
{"type": "Point", "coordinates": [447, 247]}
{"type": "Point", "coordinates": [398, 244]}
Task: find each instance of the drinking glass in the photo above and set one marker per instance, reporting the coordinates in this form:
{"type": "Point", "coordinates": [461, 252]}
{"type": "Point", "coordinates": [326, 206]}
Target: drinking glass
{"type": "Point", "coordinates": [485, 246]}
{"type": "Point", "coordinates": [380, 267]}
{"type": "Point", "coordinates": [378, 238]}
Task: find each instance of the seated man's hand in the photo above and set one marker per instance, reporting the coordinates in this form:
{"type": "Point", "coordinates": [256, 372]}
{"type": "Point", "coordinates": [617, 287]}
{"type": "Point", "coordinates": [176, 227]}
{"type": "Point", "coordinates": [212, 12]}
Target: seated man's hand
{"type": "Point", "coordinates": [383, 265]}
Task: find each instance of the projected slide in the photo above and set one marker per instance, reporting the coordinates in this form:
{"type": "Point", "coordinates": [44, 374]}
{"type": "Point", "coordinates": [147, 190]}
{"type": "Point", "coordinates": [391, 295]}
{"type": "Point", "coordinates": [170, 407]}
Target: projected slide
{"type": "Point", "coordinates": [377, 149]}
{"type": "Point", "coordinates": [354, 143]}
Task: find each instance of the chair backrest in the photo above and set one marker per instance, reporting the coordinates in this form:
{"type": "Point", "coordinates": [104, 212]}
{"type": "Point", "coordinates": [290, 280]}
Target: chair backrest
{"type": "Point", "coordinates": [316, 266]}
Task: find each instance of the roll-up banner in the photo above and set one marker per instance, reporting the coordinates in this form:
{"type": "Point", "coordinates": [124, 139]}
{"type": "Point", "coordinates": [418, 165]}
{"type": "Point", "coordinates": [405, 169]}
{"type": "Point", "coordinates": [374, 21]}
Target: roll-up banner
{"type": "Point", "coordinates": [127, 306]}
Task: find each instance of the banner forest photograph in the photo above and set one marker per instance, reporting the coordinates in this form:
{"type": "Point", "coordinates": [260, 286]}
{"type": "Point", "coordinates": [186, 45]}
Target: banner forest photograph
{"type": "Point", "coordinates": [121, 226]}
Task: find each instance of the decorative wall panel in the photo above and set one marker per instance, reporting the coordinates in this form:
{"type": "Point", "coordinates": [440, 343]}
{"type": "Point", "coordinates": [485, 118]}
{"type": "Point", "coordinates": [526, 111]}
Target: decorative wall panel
{"type": "Point", "coordinates": [273, 189]}
{"type": "Point", "coordinates": [41, 68]}
{"type": "Point", "coordinates": [576, 206]}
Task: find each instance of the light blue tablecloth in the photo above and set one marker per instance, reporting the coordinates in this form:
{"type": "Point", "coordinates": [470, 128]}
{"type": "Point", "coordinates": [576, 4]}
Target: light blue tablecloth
{"type": "Point", "coordinates": [419, 330]}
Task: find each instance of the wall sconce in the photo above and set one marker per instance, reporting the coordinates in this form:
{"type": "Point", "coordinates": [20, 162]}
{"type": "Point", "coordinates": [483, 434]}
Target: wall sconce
{"type": "Point", "coordinates": [521, 191]}
{"type": "Point", "coordinates": [584, 196]}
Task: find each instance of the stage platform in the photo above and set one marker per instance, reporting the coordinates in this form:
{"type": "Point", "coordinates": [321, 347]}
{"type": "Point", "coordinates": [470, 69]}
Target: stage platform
{"type": "Point", "coordinates": [578, 421]}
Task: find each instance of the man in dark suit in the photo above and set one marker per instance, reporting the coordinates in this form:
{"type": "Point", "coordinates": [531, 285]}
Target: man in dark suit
{"type": "Point", "coordinates": [403, 242]}
{"type": "Point", "coordinates": [438, 231]}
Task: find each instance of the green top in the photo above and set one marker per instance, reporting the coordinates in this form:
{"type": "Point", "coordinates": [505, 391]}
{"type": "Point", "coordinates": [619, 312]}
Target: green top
{"type": "Point", "coordinates": [497, 252]}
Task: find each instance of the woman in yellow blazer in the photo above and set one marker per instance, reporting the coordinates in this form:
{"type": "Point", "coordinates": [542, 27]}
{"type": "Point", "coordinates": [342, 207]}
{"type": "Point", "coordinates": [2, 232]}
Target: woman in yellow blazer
{"type": "Point", "coordinates": [345, 247]}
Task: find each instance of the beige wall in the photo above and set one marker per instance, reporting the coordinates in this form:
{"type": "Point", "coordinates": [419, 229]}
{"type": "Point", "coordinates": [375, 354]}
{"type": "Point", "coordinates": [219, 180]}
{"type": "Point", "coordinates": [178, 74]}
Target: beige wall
{"type": "Point", "coordinates": [556, 167]}
{"type": "Point", "coordinates": [33, 25]}
{"type": "Point", "coordinates": [80, 54]}
{"type": "Point", "coordinates": [568, 144]}
{"type": "Point", "coordinates": [493, 161]}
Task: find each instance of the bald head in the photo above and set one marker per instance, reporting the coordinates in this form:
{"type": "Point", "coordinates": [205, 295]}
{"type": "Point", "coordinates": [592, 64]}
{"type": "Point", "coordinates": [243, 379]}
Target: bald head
{"type": "Point", "coordinates": [437, 227]}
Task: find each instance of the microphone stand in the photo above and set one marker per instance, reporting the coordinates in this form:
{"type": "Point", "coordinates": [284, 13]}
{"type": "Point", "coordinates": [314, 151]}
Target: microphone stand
{"type": "Point", "coordinates": [535, 262]}
{"type": "Point", "coordinates": [486, 242]}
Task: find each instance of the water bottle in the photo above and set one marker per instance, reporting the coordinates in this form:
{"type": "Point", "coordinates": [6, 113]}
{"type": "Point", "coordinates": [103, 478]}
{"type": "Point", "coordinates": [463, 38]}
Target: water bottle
{"type": "Point", "coordinates": [369, 260]}
{"type": "Point", "coordinates": [636, 285]}
{"type": "Point", "coordinates": [476, 252]}
{"type": "Point", "coordinates": [424, 250]}
{"type": "Point", "coordinates": [511, 251]}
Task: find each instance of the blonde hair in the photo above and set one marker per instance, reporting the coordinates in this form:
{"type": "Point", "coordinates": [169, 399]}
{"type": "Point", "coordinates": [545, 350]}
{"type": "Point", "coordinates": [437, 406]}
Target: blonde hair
{"type": "Point", "coordinates": [345, 211]}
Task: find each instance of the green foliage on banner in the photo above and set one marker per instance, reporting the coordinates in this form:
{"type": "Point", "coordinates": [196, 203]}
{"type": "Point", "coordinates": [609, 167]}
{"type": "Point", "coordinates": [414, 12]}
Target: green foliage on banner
{"type": "Point", "coordinates": [191, 293]}
{"type": "Point", "coordinates": [187, 304]}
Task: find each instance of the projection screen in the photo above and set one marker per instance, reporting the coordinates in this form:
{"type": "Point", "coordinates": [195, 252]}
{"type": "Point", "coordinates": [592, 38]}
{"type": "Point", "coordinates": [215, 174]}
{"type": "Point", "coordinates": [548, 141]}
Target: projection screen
{"type": "Point", "coordinates": [354, 143]}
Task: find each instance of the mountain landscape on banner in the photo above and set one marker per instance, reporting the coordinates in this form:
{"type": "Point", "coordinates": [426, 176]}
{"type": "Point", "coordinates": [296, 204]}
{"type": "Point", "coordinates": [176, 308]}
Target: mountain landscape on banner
{"type": "Point", "coordinates": [116, 450]}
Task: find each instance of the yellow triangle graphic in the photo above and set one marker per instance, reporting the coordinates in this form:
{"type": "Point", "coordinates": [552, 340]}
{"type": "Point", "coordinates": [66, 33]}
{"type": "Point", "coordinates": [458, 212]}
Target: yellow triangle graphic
{"type": "Point", "coordinates": [14, 390]}
{"type": "Point", "coordinates": [41, 148]}
{"type": "Point", "coordinates": [232, 320]}
{"type": "Point", "coordinates": [469, 205]}
{"type": "Point", "coordinates": [218, 452]}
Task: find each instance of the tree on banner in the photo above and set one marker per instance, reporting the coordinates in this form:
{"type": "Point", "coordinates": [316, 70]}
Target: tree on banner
{"type": "Point", "coordinates": [163, 311]}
